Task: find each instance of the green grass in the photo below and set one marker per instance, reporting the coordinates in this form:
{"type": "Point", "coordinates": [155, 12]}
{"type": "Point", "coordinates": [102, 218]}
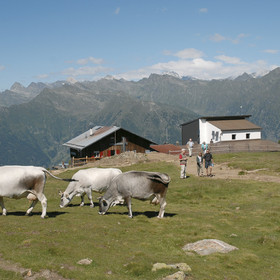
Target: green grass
{"type": "Point", "coordinates": [245, 214]}
{"type": "Point", "coordinates": [268, 161]}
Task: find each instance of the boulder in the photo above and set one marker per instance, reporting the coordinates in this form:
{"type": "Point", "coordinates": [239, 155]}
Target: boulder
{"type": "Point", "coordinates": [209, 246]}
{"type": "Point", "coordinates": [86, 261]}
{"type": "Point", "coordinates": [180, 275]}
{"type": "Point", "coordinates": [181, 266]}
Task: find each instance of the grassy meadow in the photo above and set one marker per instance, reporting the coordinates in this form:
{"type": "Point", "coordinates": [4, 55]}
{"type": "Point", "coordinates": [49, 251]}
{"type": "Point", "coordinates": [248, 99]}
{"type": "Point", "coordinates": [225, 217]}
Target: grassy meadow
{"type": "Point", "coordinates": [245, 214]}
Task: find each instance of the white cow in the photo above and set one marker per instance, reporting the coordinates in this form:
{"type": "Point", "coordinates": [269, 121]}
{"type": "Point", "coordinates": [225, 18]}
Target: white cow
{"type": "Point", "coordinates": [141, 185]}
{"type": "Point", "coordinates": [86, 181]}
{"type": "Point", "coordinates": [24, 181]}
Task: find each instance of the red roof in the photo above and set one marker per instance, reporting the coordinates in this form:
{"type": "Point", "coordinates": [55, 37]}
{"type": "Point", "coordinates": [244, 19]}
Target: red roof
{"type": "Point", "coordinates": [166, 148]}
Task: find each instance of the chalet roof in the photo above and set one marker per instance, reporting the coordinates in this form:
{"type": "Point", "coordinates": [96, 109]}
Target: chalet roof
{"type": "Point", "coordinates": [90, 136]}
{"type": "Point", "coordinates": [94, 135]}
{"type": "Point", "coordinates": [213, 118]}
{"type": "Point", "coordinates": [165, 148]}
{"type": "Point", "coordinates": [238, 124]}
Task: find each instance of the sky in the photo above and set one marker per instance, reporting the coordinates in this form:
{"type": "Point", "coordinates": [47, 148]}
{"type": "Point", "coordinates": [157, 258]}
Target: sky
{"type": "Point", "coordinates": [76, 40]}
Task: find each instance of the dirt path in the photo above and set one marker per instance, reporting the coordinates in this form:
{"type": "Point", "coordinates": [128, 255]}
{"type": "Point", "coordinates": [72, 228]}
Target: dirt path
{"type": "Point", "coordinates": [220, 171]}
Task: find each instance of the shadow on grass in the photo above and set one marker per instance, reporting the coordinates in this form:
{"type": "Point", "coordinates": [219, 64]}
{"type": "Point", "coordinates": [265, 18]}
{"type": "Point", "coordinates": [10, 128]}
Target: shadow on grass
{"type": "Point", "coordinates": [85, 205]}
{"type": "Point", "coordinates": [51, 214]}
{"type": "Point", "coordinates": [148, 214]}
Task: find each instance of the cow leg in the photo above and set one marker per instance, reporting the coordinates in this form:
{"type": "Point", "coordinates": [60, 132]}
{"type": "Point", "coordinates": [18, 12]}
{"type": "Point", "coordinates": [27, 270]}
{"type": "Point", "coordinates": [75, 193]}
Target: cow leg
{"type": "Point", "coordinates": [31, 207]}
{"type": "Point", "coordinates": [128, 203]}
{"type": "Point", "coordinates": [162, 207]}
{"type": "Point", "coordinates": [162, 202]}
{"type": "Point", "coordinates": [89, 195]}
{"type": "Point", "coordinates": [82, 200]}
{"type": "Point", "coordinates": [43, 201]}
{"type": "Point", "coordinates": [4, 210]}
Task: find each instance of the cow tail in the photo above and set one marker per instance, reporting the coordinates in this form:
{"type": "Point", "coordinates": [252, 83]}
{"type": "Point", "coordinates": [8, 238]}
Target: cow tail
{"type": "Point", "coordinates": [62, 179]}
{"type": "Point", "coordinates": [163, 178]}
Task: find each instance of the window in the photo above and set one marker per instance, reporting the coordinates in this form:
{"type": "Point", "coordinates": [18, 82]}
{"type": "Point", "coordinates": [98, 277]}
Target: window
{"type": "Point", "coordinates": [217, 136]}
{"type": "Point", "coordinates": [247, 135]}
{"type": "Point", "coordinates": [233, 136]}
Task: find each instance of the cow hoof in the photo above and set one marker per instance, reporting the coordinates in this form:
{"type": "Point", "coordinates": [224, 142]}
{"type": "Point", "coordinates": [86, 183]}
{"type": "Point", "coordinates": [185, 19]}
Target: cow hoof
{"type": "Point", "coordinates": [92, 205]}
{"type": "Point", "coordinates": [4, 214]}
{"type": "Point", "coordinates": [82, 204]}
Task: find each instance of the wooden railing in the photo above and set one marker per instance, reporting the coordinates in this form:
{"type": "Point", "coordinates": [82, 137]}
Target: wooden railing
{"type": "Point", "coordinates": [228, 148]}
{"type": "Point", "coordinates": [82, 161]}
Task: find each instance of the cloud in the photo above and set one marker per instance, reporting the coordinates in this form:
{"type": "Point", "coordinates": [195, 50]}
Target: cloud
{"type": "Point", "coordinates": [84, 61]}
{"type": "Point", "coordinates": [117, 11]}
{"type": "Point", "coordinates": [200, 68]}
{"type": "Point", "coordinates": [42, 76]}
{"type": "Point", "coordinates": [229, 59]}
{"type": "Point", "coordinates": [271, 51]}
{"type": "Point", "coordinates": [185, 62]}
{"type": "Point", "coordinates": [217, 38]}
{"type": "Point", "coordinates": [188, 53]}
{"type": "Point", "coordinates": [85, 71]}
{"type": "Point", "coordinates": [238, 38]}
{"type": "Point", "coordinates": [203, 10]}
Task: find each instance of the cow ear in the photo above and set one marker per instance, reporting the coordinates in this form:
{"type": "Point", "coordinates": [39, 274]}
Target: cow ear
{"type": "Point", "coordinates": [67, 195]}
{"type": "Point", "coordinates": [104, 202]}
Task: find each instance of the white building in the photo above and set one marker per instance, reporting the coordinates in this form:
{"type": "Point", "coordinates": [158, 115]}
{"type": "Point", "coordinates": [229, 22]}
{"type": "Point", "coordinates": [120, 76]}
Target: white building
{"type": "Point", "coordinates": [217, 129]}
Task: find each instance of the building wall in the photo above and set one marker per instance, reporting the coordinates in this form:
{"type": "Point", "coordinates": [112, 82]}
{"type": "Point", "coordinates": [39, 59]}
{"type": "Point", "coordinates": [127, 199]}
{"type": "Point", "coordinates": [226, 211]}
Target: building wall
{"type": "Point", "coordinates": [190, 130]}
{"type": "Point", "coordinates": [240, 135]}
{"type": "Point", "coordinates": [210, 132]}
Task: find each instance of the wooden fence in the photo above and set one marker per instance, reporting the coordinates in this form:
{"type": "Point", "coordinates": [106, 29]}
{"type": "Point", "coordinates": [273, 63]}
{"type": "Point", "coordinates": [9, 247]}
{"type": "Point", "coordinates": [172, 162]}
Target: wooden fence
{"type": "Point", "coordinates": [82, 161]}
{"type": "Point", "coordinates": [235, 148]}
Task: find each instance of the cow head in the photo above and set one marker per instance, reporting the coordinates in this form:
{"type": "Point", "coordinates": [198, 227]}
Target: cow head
{"type": "Point", "coordinates": [104, 205]}
{"type": "Point", "coordinates": [64, 199]}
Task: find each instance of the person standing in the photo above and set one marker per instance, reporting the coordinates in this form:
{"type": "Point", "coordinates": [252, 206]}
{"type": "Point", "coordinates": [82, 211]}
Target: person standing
{"type": "Point", "coordinates": [190, 144]}
{"type": "Point", "coordinates": [204, 148]}
{"type": "Point", "coordinates": [208, 161]}
{"type": "Point", "coordinates": [199, 164]}
{"type": "Point", "coordinates": [183, 163]}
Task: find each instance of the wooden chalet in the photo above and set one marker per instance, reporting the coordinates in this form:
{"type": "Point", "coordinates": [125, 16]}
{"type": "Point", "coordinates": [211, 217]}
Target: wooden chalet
{"type": "Point", "coordinates": [104, 141]}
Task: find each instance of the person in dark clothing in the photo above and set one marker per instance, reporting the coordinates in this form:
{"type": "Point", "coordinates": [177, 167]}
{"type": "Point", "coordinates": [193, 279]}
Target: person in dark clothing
{"type": "Point", "coordinates": [208, 161]}
{"type": "Point", "coordinates": [199, 164]}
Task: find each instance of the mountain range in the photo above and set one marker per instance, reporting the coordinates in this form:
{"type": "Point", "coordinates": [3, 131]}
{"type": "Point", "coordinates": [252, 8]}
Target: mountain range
{"type": "Point", "coordinates": [36, 120]}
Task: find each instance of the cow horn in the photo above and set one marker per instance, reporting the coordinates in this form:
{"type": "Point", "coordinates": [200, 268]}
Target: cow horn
{"type": "Point", "coordinates": [60, 193]}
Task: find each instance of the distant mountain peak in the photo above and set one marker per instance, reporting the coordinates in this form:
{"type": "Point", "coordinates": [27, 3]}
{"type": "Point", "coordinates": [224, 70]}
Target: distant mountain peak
{"type": "Point", "coordinates": [18, 87]}
{"type": "Point", "coordinates": [244, 77]}
{"type": "Point", "coordinates": [172, 73]}
{"type": "Point", "coordinates": [71, 80]}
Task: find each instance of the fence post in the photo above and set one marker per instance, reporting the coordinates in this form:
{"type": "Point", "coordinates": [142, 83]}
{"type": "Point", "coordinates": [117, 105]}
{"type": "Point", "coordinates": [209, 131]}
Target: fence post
{"type": "Point", "coordinates": [72, 162]}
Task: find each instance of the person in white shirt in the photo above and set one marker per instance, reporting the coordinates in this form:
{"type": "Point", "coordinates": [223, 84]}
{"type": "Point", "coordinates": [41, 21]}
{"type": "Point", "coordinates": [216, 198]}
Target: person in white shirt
{"type": "Point", "coordinates": [190, 144]}
{"type": "Point", "coordinates": [183, 163]}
